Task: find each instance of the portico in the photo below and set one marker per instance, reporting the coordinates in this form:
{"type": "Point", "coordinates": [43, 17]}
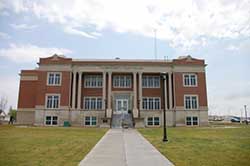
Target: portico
{"type": "Point", "coordinates": [121, 89]}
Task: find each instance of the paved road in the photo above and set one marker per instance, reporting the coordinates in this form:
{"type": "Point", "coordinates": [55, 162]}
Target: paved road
{"type": "Point", "coordinates": [126, 147]}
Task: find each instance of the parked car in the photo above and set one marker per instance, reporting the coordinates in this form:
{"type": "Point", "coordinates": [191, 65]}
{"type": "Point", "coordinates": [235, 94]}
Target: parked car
{"type": "Point", "coordinates": [235, 119]}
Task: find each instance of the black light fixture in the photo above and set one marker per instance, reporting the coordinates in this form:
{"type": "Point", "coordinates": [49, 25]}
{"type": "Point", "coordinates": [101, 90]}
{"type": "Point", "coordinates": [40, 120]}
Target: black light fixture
{"type": "Point", "coordinates": [164, 78]}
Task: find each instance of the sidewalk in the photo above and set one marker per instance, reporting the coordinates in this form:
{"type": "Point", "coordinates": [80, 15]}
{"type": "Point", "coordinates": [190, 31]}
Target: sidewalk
{"type": "Point", "coordinates": [126, 147]}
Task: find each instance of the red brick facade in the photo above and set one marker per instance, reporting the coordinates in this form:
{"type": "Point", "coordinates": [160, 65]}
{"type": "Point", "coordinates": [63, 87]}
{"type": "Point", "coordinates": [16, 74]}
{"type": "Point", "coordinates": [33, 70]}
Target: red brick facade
{"type": "Point", "coordinates": [33, 83]}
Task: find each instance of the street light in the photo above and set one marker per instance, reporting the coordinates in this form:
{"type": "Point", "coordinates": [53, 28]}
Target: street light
{"type": "Point", "coordinates": [164, 77]}
{"type": "Point", "coordinates": [245, 106]}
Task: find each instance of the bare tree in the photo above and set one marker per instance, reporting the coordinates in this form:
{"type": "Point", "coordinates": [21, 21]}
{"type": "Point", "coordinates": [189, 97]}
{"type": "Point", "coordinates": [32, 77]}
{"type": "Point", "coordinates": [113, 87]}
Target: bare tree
{"type": "Point", "coordinates": [3, 103]}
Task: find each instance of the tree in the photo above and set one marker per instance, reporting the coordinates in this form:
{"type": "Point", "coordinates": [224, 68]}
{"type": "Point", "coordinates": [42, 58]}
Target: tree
{"type": "Point", "coordinates": [3, 103]}
{"type": "Point", "coordinates": [12, 112]}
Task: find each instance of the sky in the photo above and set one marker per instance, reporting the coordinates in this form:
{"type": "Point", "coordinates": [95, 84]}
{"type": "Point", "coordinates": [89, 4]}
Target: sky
{"type": "Point", "coordinates": [215, 30]}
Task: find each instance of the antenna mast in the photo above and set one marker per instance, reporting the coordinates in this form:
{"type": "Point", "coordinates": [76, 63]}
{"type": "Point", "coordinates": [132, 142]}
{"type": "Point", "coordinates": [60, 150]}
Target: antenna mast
{"type": "Point", "coordinates": [155, 43]}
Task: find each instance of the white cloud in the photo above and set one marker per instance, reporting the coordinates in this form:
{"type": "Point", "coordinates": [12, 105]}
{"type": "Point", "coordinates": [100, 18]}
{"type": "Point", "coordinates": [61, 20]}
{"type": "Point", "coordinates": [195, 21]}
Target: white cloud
{"type": "Point", "coordinates": [181, 23]}
{"type": "Point", "coordinates": [23, 26]}
{"type": "Point", "coordinates": [4, 35]}
{"type": "Point", "coordinates": [29, 53]}
{"type": "Point", "coordinates": [232, 48]}
{"type": "Point", "coordinates": [74, 31]}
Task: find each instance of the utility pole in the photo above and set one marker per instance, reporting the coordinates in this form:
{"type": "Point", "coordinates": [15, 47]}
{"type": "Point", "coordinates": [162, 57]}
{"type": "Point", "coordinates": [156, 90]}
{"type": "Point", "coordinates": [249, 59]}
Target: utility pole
{"type": "Point", "coordinates": [245, 106]}
{"type": "Point", "coordinates": [241, 115]}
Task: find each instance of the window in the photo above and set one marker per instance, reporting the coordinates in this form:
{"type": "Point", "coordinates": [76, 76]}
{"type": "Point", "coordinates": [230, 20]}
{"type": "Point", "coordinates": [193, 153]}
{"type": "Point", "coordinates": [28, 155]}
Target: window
{"type": "Point", "coordinates": [90, 121]}
{"type": "Point", "coordinates": [52, 101]}
{"type": "Point", "coordinates": [153, 121]}
{"type": "Point", "coordinates": [122, 81]}
{"type": "Point", "coordinates": [150, 81]}
{"type": "Point", "coordinates": [93, 103]}
{"type": "Point", "coordinates": [54, 78]}
{"type": "Point", "coordinates": [191, 120]}
{"type": "Point", "coordinates": [51, 120]}
{"type": "Point", "coordinates": [190, 80]}
{"type": "Point", "coordinates": [151, 103]}
{"type": "Point", "coordinates": [195, 120]}
{"type": "Point", "coordinates": [93, 81]}
{"type": "Point", "coordinates": [191, 102]}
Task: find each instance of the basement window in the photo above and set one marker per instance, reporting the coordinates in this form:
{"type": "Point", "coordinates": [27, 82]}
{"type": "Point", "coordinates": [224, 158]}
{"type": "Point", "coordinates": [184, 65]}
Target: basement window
{"type": "Point", "coordinates": [191, 120]}
{"type": "Point", "coordinates": [90, 121]}
{"type": "Point", "coordinates": [51, 120]}
{"type": "Point", "coordinates": [153, 121]}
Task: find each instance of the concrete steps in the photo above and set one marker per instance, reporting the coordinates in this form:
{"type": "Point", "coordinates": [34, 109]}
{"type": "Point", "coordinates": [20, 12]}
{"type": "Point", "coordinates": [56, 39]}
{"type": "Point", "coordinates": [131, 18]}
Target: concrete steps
{"type": "Point", "coordinates": [122, 120]}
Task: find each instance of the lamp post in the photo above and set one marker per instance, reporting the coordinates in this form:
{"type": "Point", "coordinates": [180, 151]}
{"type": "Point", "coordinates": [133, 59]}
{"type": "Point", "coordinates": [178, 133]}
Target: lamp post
{"type": "Point", "coordinates": [164, 77]}
{"type": "Point", "coordinates": [245, 106]}
{"type": "Point", "coordinates": [105, 107]}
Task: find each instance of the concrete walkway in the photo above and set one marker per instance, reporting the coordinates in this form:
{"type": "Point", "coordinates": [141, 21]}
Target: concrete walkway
{"type": "Point", "coordinates": [124, 147]}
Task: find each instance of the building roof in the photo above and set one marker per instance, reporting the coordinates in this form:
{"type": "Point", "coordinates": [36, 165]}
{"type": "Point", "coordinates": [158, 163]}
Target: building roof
{"type": "Point", "coordinates": [60, 59]}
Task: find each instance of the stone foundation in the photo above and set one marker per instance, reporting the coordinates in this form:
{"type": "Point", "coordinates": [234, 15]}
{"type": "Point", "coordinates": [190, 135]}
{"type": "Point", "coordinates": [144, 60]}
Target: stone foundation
{"type": "Point", "coordinates": [77, 118]}
{"type": "Point", "coordinates": [25, 117]}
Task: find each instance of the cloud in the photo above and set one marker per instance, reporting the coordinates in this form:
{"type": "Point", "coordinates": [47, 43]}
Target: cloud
{"type": "Point", "coordinates": [232, 48]}
{"type": "Point", "coordinates": [181, 23]}
{"type": "Point", "coordinates": [4, 35]}
{"type": "Point", "coordinates": [29, 53]}
{"type": "Point", "coordinates": [23, 26]}
{"type": "Point", "coordinates": [74, 31]}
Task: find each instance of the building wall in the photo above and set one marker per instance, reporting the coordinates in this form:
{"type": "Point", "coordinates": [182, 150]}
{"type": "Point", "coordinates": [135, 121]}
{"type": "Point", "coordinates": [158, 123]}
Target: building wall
{"type": "Point", "coordinates": [33, 90]}
{"type": "Point", "coordinates": [27, 94]}
{"type": "Point", "coordinates": [200, 90]}
{"type": "Point", "coordinates": [153, 92]}
{"type": "Point", "coordinates": [43, 89]}
{"type": "Point", "coordinates": [26, 117]}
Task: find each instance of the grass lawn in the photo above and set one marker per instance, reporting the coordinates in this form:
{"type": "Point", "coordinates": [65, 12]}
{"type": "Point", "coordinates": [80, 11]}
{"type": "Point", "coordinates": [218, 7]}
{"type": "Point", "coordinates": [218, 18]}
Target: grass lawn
{"type": "Point", "coordinates": [34, 146]}
{"type": "Point", "coordinates": [211, 146]}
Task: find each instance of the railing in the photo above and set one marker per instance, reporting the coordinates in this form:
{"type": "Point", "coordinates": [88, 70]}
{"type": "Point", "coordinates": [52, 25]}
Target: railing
{"type": "Point", "coordinates": [111, 119]}
{"type": "Point", "coordinates": [133, 119]}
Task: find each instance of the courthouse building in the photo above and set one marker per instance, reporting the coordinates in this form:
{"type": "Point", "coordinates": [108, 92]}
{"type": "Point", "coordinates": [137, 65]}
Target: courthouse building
{"type": "Point", "coordinates": [107, 92]}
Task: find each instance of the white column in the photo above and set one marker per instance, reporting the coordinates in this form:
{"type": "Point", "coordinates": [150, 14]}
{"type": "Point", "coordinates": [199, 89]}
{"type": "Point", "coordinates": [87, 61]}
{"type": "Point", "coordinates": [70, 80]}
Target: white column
{"type": "Point", "coordinates": [74, 91]}
{"type": "Point", "coordinates": [135, 109]}
{"type": "Point", "coordinates": [170, 91]}
{"type": "Point", "coordinates": [103, 90]}
{"type": "Point", "coordinates": [109, 110]}
{"type": "Point", "coordinates": [79, 101]}
{"type": "Point", "coordinates": [140, 90]}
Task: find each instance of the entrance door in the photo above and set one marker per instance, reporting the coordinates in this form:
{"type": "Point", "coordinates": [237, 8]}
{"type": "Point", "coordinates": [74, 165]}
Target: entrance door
{"type": "Point", "coordinates": [121, 106]}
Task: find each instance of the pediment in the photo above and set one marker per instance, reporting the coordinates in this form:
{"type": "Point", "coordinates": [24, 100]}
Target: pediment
{"type": "Point", "coordinates": [188, 60]}
{"type": "Point", "coordinates": [58, 59]}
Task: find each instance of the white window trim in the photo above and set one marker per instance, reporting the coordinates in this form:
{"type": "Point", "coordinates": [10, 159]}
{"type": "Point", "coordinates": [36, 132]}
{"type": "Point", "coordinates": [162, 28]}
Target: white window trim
{"type": "Point", "coordinates": [114, 86]}
{"type": "Point", "coordinates": [197, 99]}
{"type": "Point", "coordinates": [90, 121]}
{"type": "Point", "coordinates": [189, 75]}
{"type": "Point", "coordinates": [48, 73]}
{"type": "Point", "coordinates": [198, 122]}
{"type": "Point", "coordinates": [92, 75]}
{"type": "Point", "coordinates": [154, 103]}
{"type": "Point", "coordinates": [53, 94]}
{"type": "Point", "coordinates": [51, 124]}
{"type": "Point", "coordinates": [96, 97]}
{"type": "Point", "coordinates": [153, 86]}
{"type": "Point", "coordinates": [154, 120]}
